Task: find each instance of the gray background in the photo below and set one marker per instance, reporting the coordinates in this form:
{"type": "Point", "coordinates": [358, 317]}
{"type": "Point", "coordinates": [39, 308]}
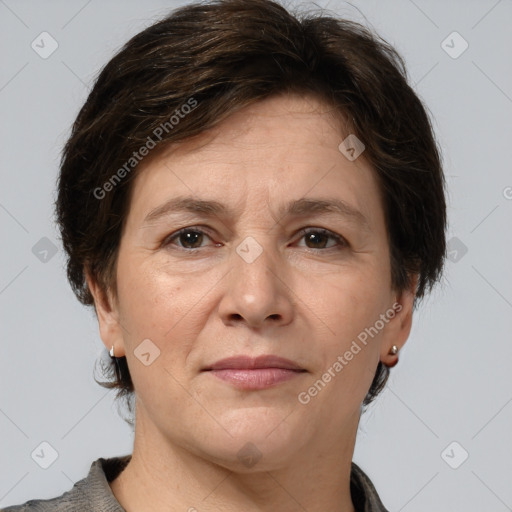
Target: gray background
{"type": "Point", "coordinates": [453, 382]}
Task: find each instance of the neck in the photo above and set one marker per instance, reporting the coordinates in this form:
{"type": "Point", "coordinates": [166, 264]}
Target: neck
{"type": "Point", "coordinates": [163, 476]}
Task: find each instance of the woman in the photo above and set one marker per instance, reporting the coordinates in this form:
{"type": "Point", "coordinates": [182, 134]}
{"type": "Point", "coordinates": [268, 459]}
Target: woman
{"type": "Point", "coordinates": [253, 202]}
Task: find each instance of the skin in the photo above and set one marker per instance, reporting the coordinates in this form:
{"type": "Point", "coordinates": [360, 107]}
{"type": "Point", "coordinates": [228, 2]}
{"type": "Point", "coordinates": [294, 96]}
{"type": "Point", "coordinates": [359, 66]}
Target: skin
{"type": "Point", "coordinates": [300, 299]}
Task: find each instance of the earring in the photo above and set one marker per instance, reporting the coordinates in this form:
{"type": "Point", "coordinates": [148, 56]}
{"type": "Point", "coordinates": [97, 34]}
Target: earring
{"type": "Point", "coordinates": [393, 351]}
{"type": "Point", "coordinates": [112, 351]}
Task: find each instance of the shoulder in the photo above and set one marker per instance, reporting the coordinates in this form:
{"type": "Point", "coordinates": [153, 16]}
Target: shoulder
{"type": "Point", "coordinates": [69, 501]}
{"type": "Point", "coordinates": [89, 494]}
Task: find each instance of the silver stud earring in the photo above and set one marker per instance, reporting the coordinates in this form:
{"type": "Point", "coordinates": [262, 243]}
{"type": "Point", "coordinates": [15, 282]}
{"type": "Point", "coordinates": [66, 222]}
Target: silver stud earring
{"type": "Point", "coordinates": [112, 351]}
{"type": "Point", "coordinates": [393, 350]}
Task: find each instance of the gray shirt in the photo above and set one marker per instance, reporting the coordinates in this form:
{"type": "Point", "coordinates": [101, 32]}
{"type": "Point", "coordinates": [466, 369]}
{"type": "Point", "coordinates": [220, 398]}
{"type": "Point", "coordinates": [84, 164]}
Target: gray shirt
{"type": "Point", "coordinates": [93, 493]}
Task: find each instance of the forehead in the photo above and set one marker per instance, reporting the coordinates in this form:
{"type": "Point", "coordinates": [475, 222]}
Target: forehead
{"type": "Point", "coordinates": [276, 150]}
{"type": "Point", "coordinates": [278, 120]}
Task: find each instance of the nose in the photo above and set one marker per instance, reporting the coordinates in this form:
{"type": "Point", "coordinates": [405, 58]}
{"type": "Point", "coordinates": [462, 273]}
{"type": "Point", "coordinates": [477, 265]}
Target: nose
{"type": "Point", "coordinates": [257, 293]}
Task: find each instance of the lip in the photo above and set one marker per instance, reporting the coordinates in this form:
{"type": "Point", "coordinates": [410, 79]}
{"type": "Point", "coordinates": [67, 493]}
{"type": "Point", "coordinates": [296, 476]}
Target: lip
{"type": "Point", "coordinates": [254, 363]}
{"type": "Point", "coordinates": [253, 373]}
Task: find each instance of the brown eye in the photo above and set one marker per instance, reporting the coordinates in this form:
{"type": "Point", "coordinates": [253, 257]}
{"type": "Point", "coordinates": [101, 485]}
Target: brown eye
{"type": "Point", "coordinates": [191, 239]}
{"type": "Point", "coordinates": [319, 238]}
{"type": "Point", "coordinates": [187, 238]}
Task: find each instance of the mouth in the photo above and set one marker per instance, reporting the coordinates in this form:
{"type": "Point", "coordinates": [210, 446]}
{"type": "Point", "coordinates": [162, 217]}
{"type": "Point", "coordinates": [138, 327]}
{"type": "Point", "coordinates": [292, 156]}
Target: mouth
{"type": "Point", "coordinates": [249, 373]}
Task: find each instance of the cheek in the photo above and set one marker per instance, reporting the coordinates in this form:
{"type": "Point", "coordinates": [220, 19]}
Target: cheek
{"type": "Point", "coordinates": [346, 307]}
{"type": "Point", "coordinates": [152, 301]}
{"type": "Point", "coordinates": [348, 302]}
{"type": "Point", "coordinates": [163, 308]}
{"type": "Point", "coordinates": [157, 308]}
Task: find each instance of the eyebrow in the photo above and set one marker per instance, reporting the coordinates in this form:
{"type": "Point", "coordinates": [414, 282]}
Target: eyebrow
{"type": "Point", "coordinates": [296, 208]}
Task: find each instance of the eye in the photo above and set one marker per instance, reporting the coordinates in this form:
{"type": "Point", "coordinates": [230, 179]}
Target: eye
{"type": "Point", "coordinates": [188, 238]}
{"type": "Point", "coordinates": [193, 238]}
{"type": "Point", "coordinates": [318, 238]}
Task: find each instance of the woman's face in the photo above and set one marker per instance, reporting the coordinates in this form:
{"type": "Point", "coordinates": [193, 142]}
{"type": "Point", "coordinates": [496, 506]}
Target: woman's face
{"type": "Point", "coordinates": [263, 266]}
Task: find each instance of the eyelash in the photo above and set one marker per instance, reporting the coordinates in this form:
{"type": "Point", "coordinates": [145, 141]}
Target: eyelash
{"type": "Point", "coordinates": [340, 241]}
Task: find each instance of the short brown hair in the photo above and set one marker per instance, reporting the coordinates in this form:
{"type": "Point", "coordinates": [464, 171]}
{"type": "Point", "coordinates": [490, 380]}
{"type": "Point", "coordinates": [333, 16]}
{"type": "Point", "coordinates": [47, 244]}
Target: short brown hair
{"type": "Point", "coordinates": [224, 55]}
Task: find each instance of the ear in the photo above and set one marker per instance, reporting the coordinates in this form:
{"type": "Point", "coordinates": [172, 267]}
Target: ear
{"type": "Point", "coordinates": [107, 313]}
{"type": "Point", "coordinates": [399, 326]}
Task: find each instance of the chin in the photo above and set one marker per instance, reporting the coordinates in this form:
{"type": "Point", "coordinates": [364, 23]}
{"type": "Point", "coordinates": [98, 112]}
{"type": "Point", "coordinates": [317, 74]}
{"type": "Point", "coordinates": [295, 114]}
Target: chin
{"type": "Point", "coordinates": [259, 439]}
